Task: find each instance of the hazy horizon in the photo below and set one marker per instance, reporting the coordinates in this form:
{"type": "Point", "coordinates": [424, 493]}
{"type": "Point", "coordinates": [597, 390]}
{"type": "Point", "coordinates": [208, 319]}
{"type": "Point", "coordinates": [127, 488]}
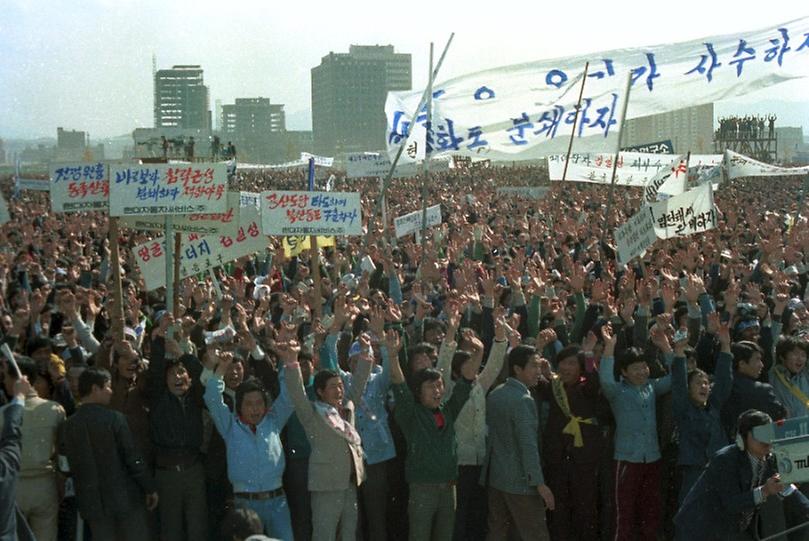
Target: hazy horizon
{"type": "Point", "coordinates": [88, 65]}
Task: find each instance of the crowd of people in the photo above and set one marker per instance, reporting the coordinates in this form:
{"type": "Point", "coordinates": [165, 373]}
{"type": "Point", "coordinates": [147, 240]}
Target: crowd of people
{"type": "Point", "coordinates": [504, 378]}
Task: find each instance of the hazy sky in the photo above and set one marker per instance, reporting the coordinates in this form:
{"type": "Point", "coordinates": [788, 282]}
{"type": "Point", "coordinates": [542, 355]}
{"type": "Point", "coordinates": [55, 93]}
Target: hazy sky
{"type": "Point", "coordinates": [87, 64]}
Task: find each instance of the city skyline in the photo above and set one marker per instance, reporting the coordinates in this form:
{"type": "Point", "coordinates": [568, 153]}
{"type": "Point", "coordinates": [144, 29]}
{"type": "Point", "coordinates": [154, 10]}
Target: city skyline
{"type": "Point", "coordinates": [88, 66]}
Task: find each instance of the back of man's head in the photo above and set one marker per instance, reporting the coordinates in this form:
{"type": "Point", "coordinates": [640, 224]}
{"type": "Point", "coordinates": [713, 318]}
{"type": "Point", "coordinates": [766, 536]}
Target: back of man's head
{"type": "Point", "coordinates": [240, 524]}
{"type": "Point", "coordinates": [750, 419]}
{"type": "Point", "coordinates": [92, 377]}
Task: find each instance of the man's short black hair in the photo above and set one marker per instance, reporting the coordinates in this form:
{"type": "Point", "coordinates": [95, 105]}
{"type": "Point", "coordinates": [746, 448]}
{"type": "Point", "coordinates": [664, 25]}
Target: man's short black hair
{"type": "Point", "coordinates": [39, 342]}
{"type": "Point", "coordinates": [750, 419]}
{"type": "Point", "coordinates": [90, 377]}
{"type": "Point", "coordinates": [631, 356]}
{"type": "Point", "coordinates": [520, 356]}
{"type": "Point", "coordinates": [422, 376]}
{"type": "Point", "coordinates": [28, 368]}
{"type": "Point", "coordinates": [241, 523]}
{"type": "Point", "coordinates": [250, 385]}
{"type": "Point", "coordinates": [322, 379]}
{"type": "Point", "coordinates": [743, 351]}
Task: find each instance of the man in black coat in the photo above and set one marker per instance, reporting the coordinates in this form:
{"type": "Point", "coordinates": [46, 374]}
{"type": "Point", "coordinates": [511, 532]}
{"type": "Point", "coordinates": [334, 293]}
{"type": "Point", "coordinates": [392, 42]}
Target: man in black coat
{"type": "Point", "coordinates": [747, 392]}
{"type": "Point", "coordinates": [724, 502]}
{"type": "Point", "coordinates": [113, 485]}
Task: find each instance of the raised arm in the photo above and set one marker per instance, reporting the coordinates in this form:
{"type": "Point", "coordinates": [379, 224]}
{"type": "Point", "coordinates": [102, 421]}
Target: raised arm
{"type": "Point", "coordinates": [363, 371]}
{"type": "Point", "coordinates": [214, 387]}
{"type": "Point", "coordinates": [294, 385]}
{"type": "Point", "coordinates": [449, 345]}
{"type": "Point", "coordinates": [497, 356]}
{"type": "Point", "coordinates": [723, 375]}
{"type": "Point", "coordinates": [606, 375]}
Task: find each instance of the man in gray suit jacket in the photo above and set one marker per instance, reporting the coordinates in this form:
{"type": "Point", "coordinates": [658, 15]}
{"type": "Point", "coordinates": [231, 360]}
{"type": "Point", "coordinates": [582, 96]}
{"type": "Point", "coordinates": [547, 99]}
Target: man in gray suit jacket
{"type": "Point", "coordinates": [335, 465]}
{"type": "Point", "coordinates": [518, 494]}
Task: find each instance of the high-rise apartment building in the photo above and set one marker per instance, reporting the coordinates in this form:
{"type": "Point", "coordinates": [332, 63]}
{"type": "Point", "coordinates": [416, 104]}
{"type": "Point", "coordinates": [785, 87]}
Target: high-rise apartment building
{"type": "Point", "coordinates": [256, 127]}
{"type": "Point", "coordinates": [348, 97]}
{"type": "Point", "coordinates": [181, 99]}
{"type": "Point", "coordinates": [689, 129]}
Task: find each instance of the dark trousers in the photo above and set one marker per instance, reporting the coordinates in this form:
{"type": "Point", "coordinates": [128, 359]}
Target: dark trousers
{"type": "Point", "coordinates": [219, 495]}
{"type": "Point", "coordinates": [525, 513]}
{"type": "Point", "coordinates": [374, 501]}
{"type": "Point", "coordinates": [296, 486]}
{"type": "Point", "coordinates": [575, 492]}
{"type": "Point", "coordinates": [470, 515]}
{"type": "Point", "coordinates": [183, 507]}
{"type": "Point", "coordinates": [131, 526]}
{"type": "Point", "coordinates": [638, 508]}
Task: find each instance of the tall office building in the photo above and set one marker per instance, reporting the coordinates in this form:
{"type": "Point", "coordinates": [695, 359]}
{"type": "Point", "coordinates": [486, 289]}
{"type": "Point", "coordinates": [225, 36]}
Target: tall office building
{"type": "Point", "coordinates": [689, 129]}
{"type": "Point", "coordinates": [348, 97]}
{"type": "Point", "coordinates": [181, 99]}
{"type": "Point", "coordinates": [256, 127]}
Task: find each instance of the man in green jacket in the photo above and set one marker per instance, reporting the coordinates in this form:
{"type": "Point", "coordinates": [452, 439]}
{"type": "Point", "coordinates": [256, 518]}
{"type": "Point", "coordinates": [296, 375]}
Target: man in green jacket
{"type": "Point", "coordinates": [431, 466]}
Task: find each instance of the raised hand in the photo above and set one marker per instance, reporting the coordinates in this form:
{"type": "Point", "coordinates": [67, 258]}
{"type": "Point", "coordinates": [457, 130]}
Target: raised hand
{"type": "Point", "coordinates": [609, 340]}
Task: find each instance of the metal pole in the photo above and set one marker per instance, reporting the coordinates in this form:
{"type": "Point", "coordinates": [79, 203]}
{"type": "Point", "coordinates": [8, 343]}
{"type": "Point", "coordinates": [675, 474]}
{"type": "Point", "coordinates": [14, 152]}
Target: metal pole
{"type": "Point", "coordinates": [317, 309]}
{"type": "Point", "coordinates": [117, 290]}
{"type": "Point", "coordinates": [169, 247]}
{"type": "Point", "coordinates": [425, 170]}
{"type": "Point", "coordinates": [575, 120]}
{"type": "Point", "coordinates": [178, 239]}
{"type": "Point", "coordinates": [423, 100]}
{"type": "Point", "coordinates": [617, 155]}
{"type": "Point", "coordinates": [801, 195]}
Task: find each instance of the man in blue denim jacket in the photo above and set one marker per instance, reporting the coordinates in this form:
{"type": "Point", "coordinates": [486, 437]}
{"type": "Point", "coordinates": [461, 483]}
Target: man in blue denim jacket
{"type": "Point", "coordinates": [253, 440]}
{"type": "Point", "coordinates": [637, 453]}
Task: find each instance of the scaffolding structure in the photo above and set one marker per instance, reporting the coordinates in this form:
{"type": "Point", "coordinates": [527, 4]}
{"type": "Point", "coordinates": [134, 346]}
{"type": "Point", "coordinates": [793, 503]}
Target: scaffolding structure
{"type": "Point", "coordinates": [752, 136]}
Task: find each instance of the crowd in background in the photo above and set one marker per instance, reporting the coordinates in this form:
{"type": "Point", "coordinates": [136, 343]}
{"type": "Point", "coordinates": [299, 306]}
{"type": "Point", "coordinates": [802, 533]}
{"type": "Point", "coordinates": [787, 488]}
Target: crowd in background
{"type": "Point", "coordinates": [505, 377]}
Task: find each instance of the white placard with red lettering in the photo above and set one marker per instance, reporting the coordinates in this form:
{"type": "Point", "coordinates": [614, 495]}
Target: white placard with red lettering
{"type": "Point", "coordinates": [79, 187]}
{"type": "Point", "coordinates": [311, 213]}
{"type": "Point", "coordinates": [197, 188]}
{"type": "Point", "coordinates": [200, 253]}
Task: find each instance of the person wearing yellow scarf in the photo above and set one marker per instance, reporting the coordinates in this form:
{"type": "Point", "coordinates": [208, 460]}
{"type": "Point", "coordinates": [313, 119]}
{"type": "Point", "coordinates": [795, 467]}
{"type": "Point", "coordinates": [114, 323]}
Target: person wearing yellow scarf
{"type": "Point", "coordinates": [572, 443]}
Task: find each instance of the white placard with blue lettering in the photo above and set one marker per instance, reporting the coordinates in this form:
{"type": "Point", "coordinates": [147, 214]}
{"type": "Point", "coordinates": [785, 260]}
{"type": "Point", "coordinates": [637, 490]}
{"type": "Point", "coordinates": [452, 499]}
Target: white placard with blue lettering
{"type": "Point", "coordinates": [163, 189]}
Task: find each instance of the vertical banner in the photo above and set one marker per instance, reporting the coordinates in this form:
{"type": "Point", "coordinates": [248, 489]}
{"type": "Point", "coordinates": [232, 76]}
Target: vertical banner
{"type": "Point", "coordinates": [635, 236]}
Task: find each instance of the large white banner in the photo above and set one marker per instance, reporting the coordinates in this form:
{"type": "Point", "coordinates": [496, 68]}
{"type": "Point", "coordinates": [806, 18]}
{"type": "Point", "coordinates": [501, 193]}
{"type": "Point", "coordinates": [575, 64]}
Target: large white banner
{"type": "Point", "coordinates": [77, 187]}
{"type": "Point", "coordinates": [200, 253]}
{"type": "Point", "coordinates": [204, 224]}
{"type": "Point", "coordinates": [635, 236]}
{"type": "Point", "coordinates": [634, 168]}
{"type": "Point", "coordinates": [411, 222]}
{"type": "Point", "coordinates": [742, 166]}
{"type": "Point", "coordinates": [311, 213]}
{"type": "Point", "coordinates": [685, 214]}
{"type": "Point", "coordinates": [528, 109]}
{"type": "Point", "coordinates": [168, 189]}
